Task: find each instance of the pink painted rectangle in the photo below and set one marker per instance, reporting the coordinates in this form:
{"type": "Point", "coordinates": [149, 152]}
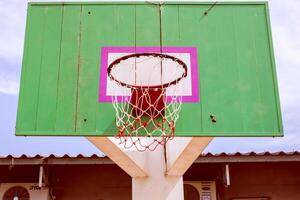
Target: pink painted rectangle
{"type": "Point", "coordinates": [103, 97]}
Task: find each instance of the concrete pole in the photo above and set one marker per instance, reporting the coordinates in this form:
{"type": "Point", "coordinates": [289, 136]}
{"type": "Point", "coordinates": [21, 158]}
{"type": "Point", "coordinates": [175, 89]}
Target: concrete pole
{"type": "Point", "coordinates": [157, 185]}
{"type": "Point", "coordinates": [155, 174]}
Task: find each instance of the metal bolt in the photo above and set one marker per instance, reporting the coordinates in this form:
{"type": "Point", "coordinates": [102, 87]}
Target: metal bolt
{"type": "Point", "coordinates": [213, 119]}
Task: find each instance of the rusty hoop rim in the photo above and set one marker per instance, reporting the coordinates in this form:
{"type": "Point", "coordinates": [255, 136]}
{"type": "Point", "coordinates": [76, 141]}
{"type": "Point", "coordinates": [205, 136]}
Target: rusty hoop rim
{"type": "Point", "coordinates": [161, 55]}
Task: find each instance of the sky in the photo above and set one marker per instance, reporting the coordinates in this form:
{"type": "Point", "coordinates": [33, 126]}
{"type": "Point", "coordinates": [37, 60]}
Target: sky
{"type": "Point", "coordinates": [285, 22]}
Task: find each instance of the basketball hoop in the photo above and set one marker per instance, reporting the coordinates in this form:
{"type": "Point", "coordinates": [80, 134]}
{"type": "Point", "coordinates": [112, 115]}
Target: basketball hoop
{"type": "Point", "coordinates": [146, 114]}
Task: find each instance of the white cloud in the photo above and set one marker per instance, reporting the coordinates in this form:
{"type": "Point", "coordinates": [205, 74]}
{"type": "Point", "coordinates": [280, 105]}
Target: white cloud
{"type": "Point", "coordinates": [286, 30]}
{"type": "Point", "coordinates": [289, 139]}
{"type": "Point", "coordinates": [9, 85]}
{"type": "Point", "coordinates": [12, 20]}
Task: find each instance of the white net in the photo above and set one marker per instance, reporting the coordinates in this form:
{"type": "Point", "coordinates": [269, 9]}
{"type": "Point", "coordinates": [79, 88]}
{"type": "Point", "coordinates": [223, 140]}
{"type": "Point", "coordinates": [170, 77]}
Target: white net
{"type": "Point", "coordinates": [146, 114]}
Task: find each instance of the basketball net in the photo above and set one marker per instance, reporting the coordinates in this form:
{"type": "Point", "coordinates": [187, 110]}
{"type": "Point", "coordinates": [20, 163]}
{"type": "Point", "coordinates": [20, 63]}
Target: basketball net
{"type": "Point", "coordinates": [146, 114]}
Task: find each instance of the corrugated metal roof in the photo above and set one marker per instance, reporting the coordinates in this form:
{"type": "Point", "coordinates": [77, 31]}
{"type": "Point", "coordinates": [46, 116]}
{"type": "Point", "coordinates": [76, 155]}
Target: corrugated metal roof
{"type": "Point", "coordinates": [239, 157]}
{"type": "Point", "coordinates": [23, 156]}
{"type": "Point", "coordinates": [223, 154]}
{"type": "Point", "coordinates": [252, 153]}
{"type": "Point", "coordinates": [100, 159]}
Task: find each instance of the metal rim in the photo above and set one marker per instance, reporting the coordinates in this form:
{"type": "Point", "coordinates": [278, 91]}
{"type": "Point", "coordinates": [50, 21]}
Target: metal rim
{"type": "Point", "coordinates": [174, 82]}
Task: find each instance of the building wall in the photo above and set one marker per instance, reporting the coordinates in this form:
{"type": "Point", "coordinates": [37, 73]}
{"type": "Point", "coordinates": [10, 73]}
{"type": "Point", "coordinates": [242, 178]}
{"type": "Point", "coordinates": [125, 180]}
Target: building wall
{"type": "Point", "coordinates": [104, 182]}
{"type": "Point", "coordinates": [279, 181]}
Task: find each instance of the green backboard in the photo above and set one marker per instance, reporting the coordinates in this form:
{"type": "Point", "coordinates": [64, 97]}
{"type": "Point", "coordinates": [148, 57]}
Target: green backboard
{"type": "Point", "coordinates": [227, 47]}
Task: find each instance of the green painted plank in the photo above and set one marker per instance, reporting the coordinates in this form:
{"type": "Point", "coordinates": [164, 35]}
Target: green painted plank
{"type": "Point", "coordinates": [88, 68]}
{"type": "Point", "coordinates": [93, 38]}
{"type": "Point", "coordinates": [218, 76]}
{"type": "Point", "coordinates": [210, 68]}
{"type": "Point", "coordinates": [171, 31]}
{"type": "Point", "coordinates": [267, 109]}
{"type": "Point", "coordinates": [68, 69]}
{"type": "Point", "coordinates": [122, 21]}
{"type": "Point", "coordinates": [180, 33]}
{"type": "Point", "coordinates": [29, 95]}
{"type": "Point", "coordinates": [249, 89]}
{"type": "Point", "coordinates": [147, 25]}
{"type": "Point", "coordinates": [48, 84]}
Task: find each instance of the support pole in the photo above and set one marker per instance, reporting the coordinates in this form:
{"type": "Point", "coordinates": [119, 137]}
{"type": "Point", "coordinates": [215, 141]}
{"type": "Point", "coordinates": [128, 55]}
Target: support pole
{"type": "Point", "coordinates": [157, 185]}
{"type": "Point", "coordinates": [155, 174]}
{"type": "Point", "coordinates": [123, 160]}
{"type": "Point", "coordinates": [182, 152]}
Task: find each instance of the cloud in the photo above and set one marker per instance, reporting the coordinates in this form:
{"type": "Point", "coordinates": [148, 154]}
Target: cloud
{"type": "Point", "coordinates": [12, 21]}
{"type": "Point", "coordinates": [9, 76]}
{"type": "Point", "coordinates": [9, 85]}
{"type": "Point", "coordinates": [286, 31]}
